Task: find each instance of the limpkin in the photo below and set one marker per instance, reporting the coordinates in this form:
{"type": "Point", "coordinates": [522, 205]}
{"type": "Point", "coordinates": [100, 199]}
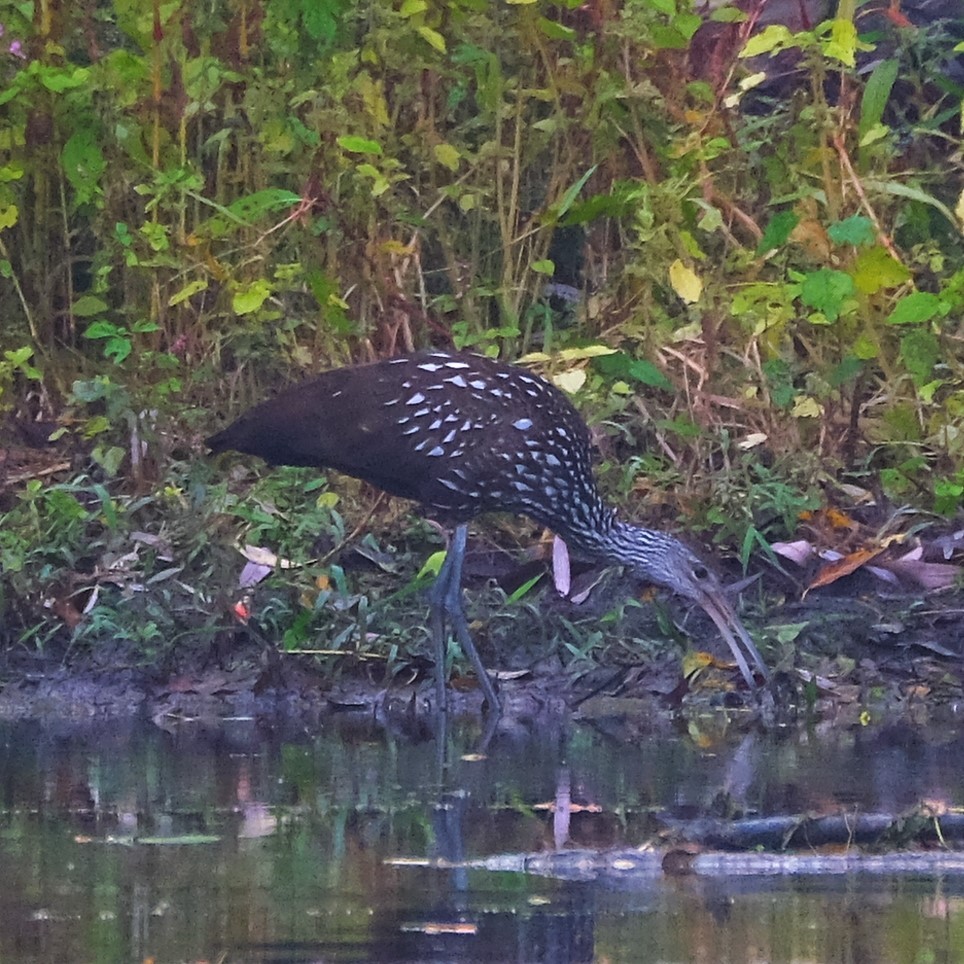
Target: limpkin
{"type": "Point", "coordinates": [462, 435]}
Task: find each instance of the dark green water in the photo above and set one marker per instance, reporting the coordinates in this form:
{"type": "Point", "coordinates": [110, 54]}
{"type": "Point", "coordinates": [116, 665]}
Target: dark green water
{"type": "Point", "coordinates": [238, 843]}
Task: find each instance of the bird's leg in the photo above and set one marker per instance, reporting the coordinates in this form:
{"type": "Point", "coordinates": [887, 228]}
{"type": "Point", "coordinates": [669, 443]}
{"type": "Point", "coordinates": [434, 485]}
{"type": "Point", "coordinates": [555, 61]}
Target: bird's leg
{"type": "Point", "coordinates": [445, 598]}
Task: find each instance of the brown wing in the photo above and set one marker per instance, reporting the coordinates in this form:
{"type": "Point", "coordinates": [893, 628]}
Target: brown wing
{"type": "Point", "coordinates": [459, 433]}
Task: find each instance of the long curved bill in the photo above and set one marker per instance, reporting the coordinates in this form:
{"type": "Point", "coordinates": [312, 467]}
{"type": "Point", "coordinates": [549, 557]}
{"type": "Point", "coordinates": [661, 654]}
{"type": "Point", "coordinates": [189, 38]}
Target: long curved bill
{"type": "Point", "coordinates": [718, 608]}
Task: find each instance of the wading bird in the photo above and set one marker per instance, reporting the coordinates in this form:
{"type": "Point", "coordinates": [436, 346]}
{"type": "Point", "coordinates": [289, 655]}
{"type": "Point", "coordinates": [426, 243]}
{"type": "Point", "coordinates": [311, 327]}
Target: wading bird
{"type": "Point", "coordinates": [462, 435]}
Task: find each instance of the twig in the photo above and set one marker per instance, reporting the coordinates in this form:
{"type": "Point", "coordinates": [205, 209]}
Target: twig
{"type": "Point", "coordinates": [864, 203]}
{"type": "Point", "coordinates": [38, 473]}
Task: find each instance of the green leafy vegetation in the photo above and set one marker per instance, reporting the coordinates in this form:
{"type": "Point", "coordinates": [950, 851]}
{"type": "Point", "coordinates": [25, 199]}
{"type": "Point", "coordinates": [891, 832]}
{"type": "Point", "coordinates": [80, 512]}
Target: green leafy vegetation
{"type": "Point", "coordinates": [197, 205]}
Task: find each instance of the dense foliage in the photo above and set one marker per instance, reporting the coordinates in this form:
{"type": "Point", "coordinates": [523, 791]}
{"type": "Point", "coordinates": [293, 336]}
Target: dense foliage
{"type": "Point", "coordinates": [198, 202]}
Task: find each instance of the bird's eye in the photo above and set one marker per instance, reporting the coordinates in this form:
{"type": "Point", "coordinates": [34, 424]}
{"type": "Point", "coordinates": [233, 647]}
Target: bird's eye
{"type": "Point", "coordinates": [700, 573]}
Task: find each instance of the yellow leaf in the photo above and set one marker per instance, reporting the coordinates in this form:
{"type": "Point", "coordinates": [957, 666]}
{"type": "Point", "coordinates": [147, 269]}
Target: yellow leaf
{"type": "Point", "coordinates": [9, 214]}
{"type": "Point", "coordinates": [570, 381]}
{"type": "Point", "coordinates": [394, 246]}
{"type": "Point", "coordinates": [433, 37]}
{"type": "Point", "coordinates": [694, 662]}
{"type": "Point", "coordinates": [685, 281]}
{"type": "Point", "coordinates": [374, 99]}
{"type": "Point", "coordinates": [959, 210]}
{"type": "Point", "coordinates": [447, 156]}
{"type": "Point", "coordinates": [807, 407]}
{"type": "Point", "coordinates": [586, 351]}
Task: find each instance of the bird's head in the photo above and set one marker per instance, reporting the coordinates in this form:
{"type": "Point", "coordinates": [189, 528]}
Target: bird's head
{"type": "Point", "coordinates": [662, 559]}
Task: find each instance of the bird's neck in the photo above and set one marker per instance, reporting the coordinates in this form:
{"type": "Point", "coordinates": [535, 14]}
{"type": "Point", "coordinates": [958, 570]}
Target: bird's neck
{"type": "Point", "coordinates": [601, 538]}
{"type": "Point", "coordinates": [614, 542]}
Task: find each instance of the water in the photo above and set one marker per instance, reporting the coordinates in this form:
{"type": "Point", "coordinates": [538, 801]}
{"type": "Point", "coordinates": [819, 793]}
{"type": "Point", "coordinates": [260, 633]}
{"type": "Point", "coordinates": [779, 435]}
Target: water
{"type": "Point", "coordinates": [236, 843]}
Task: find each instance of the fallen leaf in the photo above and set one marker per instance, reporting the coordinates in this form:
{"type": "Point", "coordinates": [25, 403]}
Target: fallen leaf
{"type": "Point", "coordinates": [845, 566]}
{"type": "Point", "coordinates": [947, 545]}
{"type": "Point", "coordinates": [928, 575]}
{"type": "Point", "coordinates": [694, 662]}
{"type": "Point", "coordinates": [800, 552]}
{"type": "Point", "coordinates": [263, 556]}
{"type": "Point", "coordinates": [252, 574]}
{"type": "Point", "coordinates": [561, 571]}
{"type": "Point", "coordinates": [584, 585]}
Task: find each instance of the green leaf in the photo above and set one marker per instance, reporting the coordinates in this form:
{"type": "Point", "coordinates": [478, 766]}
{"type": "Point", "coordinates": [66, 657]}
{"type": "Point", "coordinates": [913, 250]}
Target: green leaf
{"type": "Point", "coordinates": [667, 38]}
{"type": "Point", "coordinates": [447, 155]}
{"type": "Point", "coordinates": [855, 230]}
{"type": "Point", "coordinates": [11, 172]}
{"type": "Point", "coordinates": [827, 290]}
{"type": "Point", "coordinates": [728, 15]}
{"type": "Point", "coordinates": [298, 633]}
{"type": "Point", "coordinates": [770, 40]}
{"type": "Point", "coordinates": [83, 165]}
{"type": "Point", "coordinates": [779, 382]}
{"type": "Point", "coordinates": [144, 326]}
{"type": "Point", "coordinates": [687, 24]}
{"type": "Point", "coordinates": [188, 291]}
{"type": "Point", "coordinates": [876, 268]}
{"type": "Point", "coordinates": [59, 79]}
{"type": "Point", "coordinates": [556, 31]}
{"type": "Point", "coordinates": [914, 308]}
{"type": "Point", "coordinates": [911, 192]}
{"type": "Point", "coordinates": [846, 371]}
{"type": "Point", "coordinates": [432, 566]}
{"type": "Point", "coordinates": [19, 359]}
{"type": "Point", "coordinates": [118, 348]}
{"type": "Point", "coordinates": [569, 197]}
{"type": "Point", "coordinates": [842, 43]}
{"type": "Point", "coordinates": [619, 365]}
{"type": "Point", "coordinates": [91, 390]}
{"type": "Point", "coordinates": [244, 211]}
{"type": "Point", "coordinates": [9, 215]}
{"type": "Point", "coordinates": [321, 19]}
{"type": "Point", "coordinates": [103, 329]}
{"type": "Point", "coordinates": [433, 37]}
{"type": "Point", "coordinates": [109, 459]}
{"type": "Point", "coordinates": [545, 267]}
{"type": "Point", "coordinates": [256, 205]}
{"type": "Point", "coordinates": [359, 145]}
{"type": "Point", "coordinates": [379, 181]}
{"type": "Point", "coordinates": [920, 351]}
{"type": "Point", "coordinates": [525, 587]}
{"type": "Point", "coordinates": [947, 496]}
{"type": "Point", "coordinates": [777, 231]}
{"type": "Point", "coordinates": [876, 94]}
{"type": "Point", "coordinates": [96, 426]}
{"type": "Point", "coordinates": [86, 306]}
{"type": "Point", "coordinates": [250, 297]}
{"type": "Point", "coordinates": [866, 347]}
{"type": "Point", "coordinates": [18, 356]}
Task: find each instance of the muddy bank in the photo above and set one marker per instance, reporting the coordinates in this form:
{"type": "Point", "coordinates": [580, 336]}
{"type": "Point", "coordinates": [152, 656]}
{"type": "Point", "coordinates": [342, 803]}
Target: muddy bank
{"type": "Point", "coordinates": [910, 678]}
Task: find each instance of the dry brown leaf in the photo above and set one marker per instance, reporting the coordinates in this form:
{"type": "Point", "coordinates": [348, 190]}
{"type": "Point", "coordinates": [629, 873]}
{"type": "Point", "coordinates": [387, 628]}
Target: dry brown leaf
{"type": "Point", "coordinates": [928, 575]}
{"type": "Point", "coordinates": [845, 566]}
